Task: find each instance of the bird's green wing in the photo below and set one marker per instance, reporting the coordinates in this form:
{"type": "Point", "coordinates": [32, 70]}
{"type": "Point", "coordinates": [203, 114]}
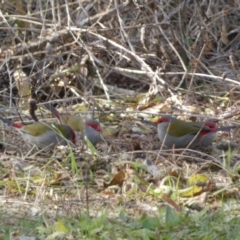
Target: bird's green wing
{"type": "Point", "coordinates": [35, 129]}
{"type": "Point", "coordinates": [75, 122]}
{"type": "Point", "coordinates": [180, 128]}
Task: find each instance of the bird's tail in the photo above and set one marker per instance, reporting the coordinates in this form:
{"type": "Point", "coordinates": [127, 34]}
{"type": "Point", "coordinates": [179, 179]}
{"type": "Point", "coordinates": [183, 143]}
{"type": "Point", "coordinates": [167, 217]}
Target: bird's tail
{"type": "Point", "coordinates": [6, 121]}
{"type": "Point", "coordinates": [53, 110]}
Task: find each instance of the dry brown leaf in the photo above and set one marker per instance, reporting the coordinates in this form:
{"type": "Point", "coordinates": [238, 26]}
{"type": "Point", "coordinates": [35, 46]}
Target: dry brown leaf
{"type": "Point", "coordinates": [172, 203]}
{"type": "Point", "coordinates": [118, 179]}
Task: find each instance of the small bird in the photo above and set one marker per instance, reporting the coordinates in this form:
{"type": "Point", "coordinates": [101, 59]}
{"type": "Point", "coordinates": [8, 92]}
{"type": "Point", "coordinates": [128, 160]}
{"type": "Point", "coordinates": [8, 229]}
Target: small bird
{"type": "Point", "coordinates": [176, 133]}
{"type": "Point", "coordinates": [90, 128]}
{"type": "Point", "coordinates": [42, 134]}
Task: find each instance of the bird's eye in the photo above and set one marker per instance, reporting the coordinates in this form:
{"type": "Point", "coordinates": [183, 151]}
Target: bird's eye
{"type": "Point", "coordinates": [211, 126]}
{"type": "Point", "coordinates": [90, 125]}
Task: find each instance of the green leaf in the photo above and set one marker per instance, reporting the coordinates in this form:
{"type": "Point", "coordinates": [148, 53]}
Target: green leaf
{"type": "Point", "coordinates": [61, 227]}
{"type": "Point", "coordinates": [150, 223]}
{"type": "Point", "coordinates": [172, 217]}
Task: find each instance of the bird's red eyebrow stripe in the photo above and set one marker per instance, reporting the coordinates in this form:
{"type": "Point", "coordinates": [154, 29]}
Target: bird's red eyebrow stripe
{"type": "Point", "coordinates": [74, 136]}
{"type": "Point", "coordinates": [212, 128]}
{"type": "Point", "coordinates": [95, 126]}
{"type": "Point", "coordinates": [160, 120]}
{"type": "Point", "coordinates": [17, 125]}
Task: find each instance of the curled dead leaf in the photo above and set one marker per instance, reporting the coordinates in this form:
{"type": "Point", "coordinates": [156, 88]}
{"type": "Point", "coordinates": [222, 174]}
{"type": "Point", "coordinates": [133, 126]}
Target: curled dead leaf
{"type": "Point", "coordinates": [118, 179]}
{"type": "Point", "coordinates": [172, 203]}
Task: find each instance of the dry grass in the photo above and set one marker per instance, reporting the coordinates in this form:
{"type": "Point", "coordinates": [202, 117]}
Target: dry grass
{"type": "Point", "coordinates": [118, 61]}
